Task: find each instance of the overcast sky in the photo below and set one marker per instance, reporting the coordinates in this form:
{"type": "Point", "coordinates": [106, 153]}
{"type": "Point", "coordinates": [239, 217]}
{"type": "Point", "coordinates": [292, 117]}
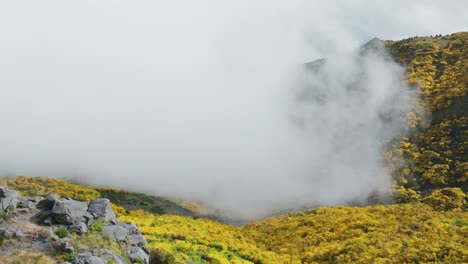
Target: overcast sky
{"type": "Point", "coordinates": [186, 98]}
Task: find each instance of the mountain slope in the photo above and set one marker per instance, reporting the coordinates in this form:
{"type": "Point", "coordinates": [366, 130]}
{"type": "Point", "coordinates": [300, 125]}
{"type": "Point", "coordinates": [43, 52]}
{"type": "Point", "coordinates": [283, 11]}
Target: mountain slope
{"type": "Point", "coordinates": [429, 223]}
{"type": "Point", "coordinates": [436, 153]}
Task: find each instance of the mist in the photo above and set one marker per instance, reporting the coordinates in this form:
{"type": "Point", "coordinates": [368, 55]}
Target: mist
{"type": "Point", "coordinates": [209, 101]}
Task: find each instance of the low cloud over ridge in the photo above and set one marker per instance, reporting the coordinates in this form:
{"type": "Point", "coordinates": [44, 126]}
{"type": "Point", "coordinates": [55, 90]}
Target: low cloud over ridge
{"type": "Point", "coordinates": [194, 99]}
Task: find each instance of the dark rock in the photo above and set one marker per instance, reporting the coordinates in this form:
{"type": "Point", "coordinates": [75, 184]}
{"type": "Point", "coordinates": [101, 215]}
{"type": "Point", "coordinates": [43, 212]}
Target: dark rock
{"type": "Point", "coordinates": [43, 218]}
{"type": "Point", "coordinates": [68, 212]}
{"type": "Point", "coordinates": [136, 240]}
{"type": "Point", "coordinates": [23, 211]}
{"type": "Point", "coordinates": [102, 209]}
{"type": "Point", "coordinates": [48, 202]}
{"type": "Point", "coordinates": [66, 247]}
{"type": "Point", "coordinates": [88, 219]}
{"type": "Point", "coordinates": [116, 233]}
{"type": "Point", "coordinates": [147, 250]}
{"type": "Point", "coordinates": [87, 258]}
{"type": "Point", "coordinates": [137, 254]}
{"type": "Point", "coordinates": [80, 228]}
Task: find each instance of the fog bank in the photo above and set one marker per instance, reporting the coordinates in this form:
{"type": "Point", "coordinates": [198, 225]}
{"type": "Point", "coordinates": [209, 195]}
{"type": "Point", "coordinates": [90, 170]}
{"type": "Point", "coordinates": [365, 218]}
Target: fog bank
{"type": "Point", "coordinates": [208, 100]}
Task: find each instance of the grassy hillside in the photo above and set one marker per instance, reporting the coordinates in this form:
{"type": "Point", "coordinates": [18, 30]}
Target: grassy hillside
{"type": "Point", "coordinates": [428, 223]}
{"type": "Point", "coordinates": [411, 233]}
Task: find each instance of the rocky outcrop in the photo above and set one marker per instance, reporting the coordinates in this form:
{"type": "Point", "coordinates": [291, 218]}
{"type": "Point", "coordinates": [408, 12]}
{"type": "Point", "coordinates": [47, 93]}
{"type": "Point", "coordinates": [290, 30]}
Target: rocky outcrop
{"type": "Point", "coordinates": [47, 214]}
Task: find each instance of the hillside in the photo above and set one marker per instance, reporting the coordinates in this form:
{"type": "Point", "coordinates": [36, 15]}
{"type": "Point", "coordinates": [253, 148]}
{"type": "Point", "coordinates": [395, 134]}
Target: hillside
{"type": "Point", "coordinates": [427, 222]}
{"type": "Point", "coordinates": [436, 152]}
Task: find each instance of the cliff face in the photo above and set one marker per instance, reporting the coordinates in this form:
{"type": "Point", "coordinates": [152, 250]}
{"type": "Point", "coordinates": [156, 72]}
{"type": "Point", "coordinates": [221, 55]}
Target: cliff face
{"type": "Point", "coordinates": [60, 230]}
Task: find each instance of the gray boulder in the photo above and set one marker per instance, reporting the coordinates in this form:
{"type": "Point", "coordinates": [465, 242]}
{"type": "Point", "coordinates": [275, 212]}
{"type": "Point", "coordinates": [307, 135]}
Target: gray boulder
{"type": "Point", "coordinates": [8, 203]}
{"type": "Point", "coordinates": [87, 258]}
{"type": "Point", "coordinates": [48, 202]}
{"type": "Point", "coordinates": [68, 212]}
{"type": "Point", "coordinates": [136, 254]}
{"type": "Point", "coordinates": [102, 209]}
{"type": "Point", "coordinates": [116, 233]}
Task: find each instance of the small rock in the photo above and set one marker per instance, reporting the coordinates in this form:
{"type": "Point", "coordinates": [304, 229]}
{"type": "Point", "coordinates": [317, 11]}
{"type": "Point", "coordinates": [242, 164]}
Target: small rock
{"type": "Point", "coordinates": [136, 240]}
{"type": "Point", "coordinates": [80, 228]}
{"type": "Point", "coordinates": [116, 258]}
{"type": "Point", "coordinates": [87, 258]}
{"type": "Point", "coordinates": [26, 204]}
{"type": "Point", "coordinates": [147, 250]}
{"type": "Point", "coordinates": [41, 245]}
{"type": "Point", "coordinates": [8, 233]}
{"type": "Point", "coordinates": [88, 219]}
{"type": "Point", "coordinates": [35, 199]}
{"type": "Point", "coordinates": [137, 254]}
{"type": "Point", "coordinates": [25, 245]}
{"type": "Point", "coordinates": [13, 213]}
{"type": "Point", "coordinates": [20, 234]}
{"type": "Point", "coordinates": [23, 211]}
{"type": "Point", "coordinates": [132, 228]}
{"type": "Point", "coordinates": [65, 246]}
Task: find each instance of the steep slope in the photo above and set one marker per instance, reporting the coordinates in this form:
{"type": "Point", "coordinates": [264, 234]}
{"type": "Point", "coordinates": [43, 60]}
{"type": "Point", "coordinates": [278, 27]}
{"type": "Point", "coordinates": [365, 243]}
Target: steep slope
{"type": "Point", "coordinates": [435, 154]}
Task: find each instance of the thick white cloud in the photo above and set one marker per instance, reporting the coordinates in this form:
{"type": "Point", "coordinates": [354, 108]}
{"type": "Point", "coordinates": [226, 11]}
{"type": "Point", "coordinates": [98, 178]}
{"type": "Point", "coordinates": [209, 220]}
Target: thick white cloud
{"type": "Point", "coordinates": [186, 98]}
